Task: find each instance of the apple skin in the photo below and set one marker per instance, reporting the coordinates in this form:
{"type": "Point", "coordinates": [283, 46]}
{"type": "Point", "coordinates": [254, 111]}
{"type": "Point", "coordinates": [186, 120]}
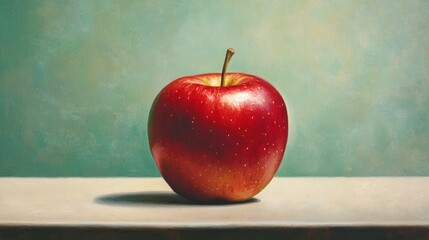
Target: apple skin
{"type": "Point", "coordinates": [213, 143]}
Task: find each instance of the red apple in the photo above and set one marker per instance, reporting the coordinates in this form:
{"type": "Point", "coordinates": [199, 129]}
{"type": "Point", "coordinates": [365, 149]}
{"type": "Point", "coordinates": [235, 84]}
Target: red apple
{"type": "Point", "coordinates": [218, 137]}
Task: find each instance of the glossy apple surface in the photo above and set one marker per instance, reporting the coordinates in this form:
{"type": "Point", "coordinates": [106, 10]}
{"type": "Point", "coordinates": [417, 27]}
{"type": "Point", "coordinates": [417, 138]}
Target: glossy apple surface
{"type": "Point", "coordinates": [213, 143]}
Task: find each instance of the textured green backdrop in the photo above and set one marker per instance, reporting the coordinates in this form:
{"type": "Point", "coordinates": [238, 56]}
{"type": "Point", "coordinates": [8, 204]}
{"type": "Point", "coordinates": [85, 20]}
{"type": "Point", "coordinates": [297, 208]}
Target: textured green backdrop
{"type": "Point", "coordinates": [77, 79]}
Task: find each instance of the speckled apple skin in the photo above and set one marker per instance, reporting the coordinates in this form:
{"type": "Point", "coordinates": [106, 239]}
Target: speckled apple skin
{"type": "Point", "coordinates": [213, 143]}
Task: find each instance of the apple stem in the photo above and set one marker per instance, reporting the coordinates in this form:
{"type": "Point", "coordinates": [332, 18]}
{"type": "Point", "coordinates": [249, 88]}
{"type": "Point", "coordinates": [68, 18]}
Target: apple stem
{"type": "Point", "coordinates": [228, 56]}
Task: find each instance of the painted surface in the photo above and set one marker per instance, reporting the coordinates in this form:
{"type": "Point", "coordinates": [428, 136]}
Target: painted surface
{"type": "Point", "coordinates": [77, 79]}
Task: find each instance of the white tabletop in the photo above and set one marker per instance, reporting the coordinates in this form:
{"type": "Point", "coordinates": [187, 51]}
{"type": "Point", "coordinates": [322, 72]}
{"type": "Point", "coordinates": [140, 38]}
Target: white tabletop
{"type": "Point", "coordinates": [149, 202]}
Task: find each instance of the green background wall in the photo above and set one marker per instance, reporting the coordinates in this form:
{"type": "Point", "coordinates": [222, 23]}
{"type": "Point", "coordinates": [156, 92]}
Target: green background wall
{"type": "Point", "coordinates": [77, 79]}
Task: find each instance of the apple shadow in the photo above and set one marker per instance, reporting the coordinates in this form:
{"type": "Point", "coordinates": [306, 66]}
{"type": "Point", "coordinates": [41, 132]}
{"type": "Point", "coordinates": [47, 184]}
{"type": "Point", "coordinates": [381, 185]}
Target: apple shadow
{"type": "Point", "coordinates": [157, 199]}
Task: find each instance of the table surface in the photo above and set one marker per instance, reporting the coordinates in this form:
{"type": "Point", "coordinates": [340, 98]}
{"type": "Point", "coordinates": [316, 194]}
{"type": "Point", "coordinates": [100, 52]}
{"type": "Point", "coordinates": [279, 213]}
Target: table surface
{"type": "Point", "coordinates": [149, 202]}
